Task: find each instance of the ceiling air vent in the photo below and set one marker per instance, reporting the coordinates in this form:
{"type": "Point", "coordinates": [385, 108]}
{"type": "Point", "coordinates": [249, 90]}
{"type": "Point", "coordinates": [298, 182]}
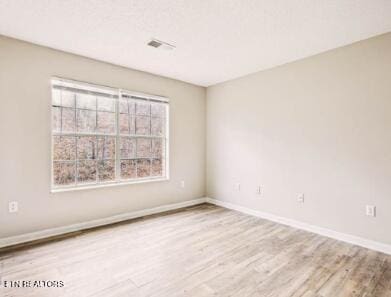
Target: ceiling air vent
{"type": "Point", "coordinates": [160, 44]}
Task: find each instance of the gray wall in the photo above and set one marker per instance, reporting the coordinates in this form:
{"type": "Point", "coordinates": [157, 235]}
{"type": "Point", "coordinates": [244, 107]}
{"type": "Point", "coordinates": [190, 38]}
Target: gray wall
{"type": "Point", "coordinates": [25, 71]}
{"type": "Point", "coordinates": [319, 126]}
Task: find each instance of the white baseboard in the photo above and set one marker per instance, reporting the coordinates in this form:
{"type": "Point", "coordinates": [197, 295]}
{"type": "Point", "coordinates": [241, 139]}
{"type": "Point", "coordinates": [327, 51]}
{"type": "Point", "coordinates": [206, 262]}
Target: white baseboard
{"type": "Point", "coordinates": [367, 243]}
{"type": "Point", "coordinates": [13, 240]}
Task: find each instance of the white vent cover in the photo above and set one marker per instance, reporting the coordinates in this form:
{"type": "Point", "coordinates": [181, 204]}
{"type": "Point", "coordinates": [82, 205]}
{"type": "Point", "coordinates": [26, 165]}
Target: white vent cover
{"type": "Point", "coordinates": [160, 44]}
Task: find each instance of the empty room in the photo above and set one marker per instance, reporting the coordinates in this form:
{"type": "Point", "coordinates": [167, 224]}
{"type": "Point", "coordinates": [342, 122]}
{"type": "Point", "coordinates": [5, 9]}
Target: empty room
{"type": "Point", "coordinates": [195, 148]}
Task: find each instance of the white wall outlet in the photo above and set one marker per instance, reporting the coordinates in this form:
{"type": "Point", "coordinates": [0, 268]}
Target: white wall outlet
{"type": "Point", "coordinates": [300, 198]}
{"type": "Point", "coordinates": [182, 184]}
{"type": "Point", "coordinates": [13, 206]}
{"type": "Point", "coordinates": [259, 190]}
{"type": "Point", "coordinates": [370, 210]}
{"type": "Point", "coordinates": [237, 187]}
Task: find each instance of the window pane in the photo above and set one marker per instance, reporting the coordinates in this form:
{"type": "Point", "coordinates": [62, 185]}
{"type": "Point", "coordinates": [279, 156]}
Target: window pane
{"type": "Point", "coordinates": [56, 119]}
{"type": "Point", "coordinates": [67, 99]}
{"type": "Point", "coordinates": [143, 125]}
{"type": "Point", "coordinates": [106, 170]}
{"type": "Point", "coordinates": [56, 97]}
{"type": "Point", "coordinates": [127, 106]}
{"type": "Point", "coordinates": [132, 124]}
{"type": "Point", "coordinates": [86, 121]}
{"type": "Point", "coordinates": [64, 148]}
{"type": "Point", "coordinates": [86, 171]}
{"type": "Point", "coordinates": [106, 122]}
{"type": "Point", "coordinates": [158, 110]}
{"type": "Point", "coordinates": [128, 147]}
{"type": "Point", "coordinates": [63, 98]}
{"type": "Point", "coordinates": [124, 123]}
{"type": "Point", "coordinates": [123, 106]}
{"type": "Point", "coordinates": [143, 148]}
{"type": "Point", "coordinates": [86, 147]}
{"type": "Point", "coordinates": [157, 126]}
{"type": "Point", "coordinates": [157, 148]}
{"type": "Point", "coordinates": [86, 101]}
{"type": "Point", "coordinates": [106, 104]}
{"type": "Point", "coordinates": [128, 169]}
{"type": "Point", "coordinates": [143, 108]}
{"type": "Point", "coordinates": [64, 173]}
{"type": "Point", "coordinates": [68, 120]}
{"type": "Point", "coordinates": [132, 107]}
{"type": "Point", "coordinates": [157, 167]}
{"type": "Point", "coordinates": [143, 168]}
{"type": "Point", "coordinates": [106, 148]}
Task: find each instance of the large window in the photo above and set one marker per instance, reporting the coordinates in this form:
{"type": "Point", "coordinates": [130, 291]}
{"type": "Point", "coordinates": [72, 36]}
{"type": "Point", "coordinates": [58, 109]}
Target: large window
{"type": "Point", "coordinates": [104, 136]}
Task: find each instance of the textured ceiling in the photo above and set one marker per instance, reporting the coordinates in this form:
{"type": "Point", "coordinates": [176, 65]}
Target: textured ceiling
{"type": "Point", "coordinates": [216, 40]}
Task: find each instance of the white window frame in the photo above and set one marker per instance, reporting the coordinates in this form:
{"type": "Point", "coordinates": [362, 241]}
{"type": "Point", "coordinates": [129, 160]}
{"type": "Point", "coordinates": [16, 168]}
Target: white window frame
{"type": "Point", "coordinates": [117, 95]}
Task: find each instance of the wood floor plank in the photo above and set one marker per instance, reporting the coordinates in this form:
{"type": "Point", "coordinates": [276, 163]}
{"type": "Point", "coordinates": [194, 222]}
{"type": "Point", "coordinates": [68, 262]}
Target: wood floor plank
{"type": "Point", "coordinates": [199, 251]}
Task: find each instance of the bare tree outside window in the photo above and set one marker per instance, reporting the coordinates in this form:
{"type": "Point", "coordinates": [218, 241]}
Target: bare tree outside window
{"type": "Point", "coordinates": [103, 135]}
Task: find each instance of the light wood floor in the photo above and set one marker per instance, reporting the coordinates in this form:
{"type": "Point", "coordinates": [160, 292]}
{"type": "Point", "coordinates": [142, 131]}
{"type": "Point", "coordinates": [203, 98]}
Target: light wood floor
{"type": "Point", "coordinates": [199, 251]}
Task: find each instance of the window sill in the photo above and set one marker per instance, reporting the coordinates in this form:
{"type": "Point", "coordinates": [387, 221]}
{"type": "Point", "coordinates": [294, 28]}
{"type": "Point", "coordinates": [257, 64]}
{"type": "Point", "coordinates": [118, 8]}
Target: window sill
{"type": "Point", "coordinates": [107, 185]}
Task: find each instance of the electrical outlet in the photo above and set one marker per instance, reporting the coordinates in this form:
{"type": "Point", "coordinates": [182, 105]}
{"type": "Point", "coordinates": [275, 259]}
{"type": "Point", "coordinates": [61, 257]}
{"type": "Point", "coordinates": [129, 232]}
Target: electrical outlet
{"type": "Point", "coordinates": [12, 206]}
{"type": "Point", "coordinates": [182, 184]}
{"type": "Point", "coordinates": [237, 187]}
{"type": "Point", "coordinates": [370, 210]}
{"type": "Point", "coordinates": [259, 190]}
{"type": "Point", "coordinates": [300, 198]}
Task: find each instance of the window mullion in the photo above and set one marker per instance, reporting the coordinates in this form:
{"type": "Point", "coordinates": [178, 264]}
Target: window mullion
{"type": "Point", "coordinates": [76, 138]}
{"type": "Point", "coordinates": [150, 140]}
{"type": "Point", "coordinates": [76, 160]}
{"type": "Point", "coordinates": [96, 160]}
{"type": "Point", "coordinates": [96, 140]}
{"type": "Point", "coordinates": [117, 139]}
